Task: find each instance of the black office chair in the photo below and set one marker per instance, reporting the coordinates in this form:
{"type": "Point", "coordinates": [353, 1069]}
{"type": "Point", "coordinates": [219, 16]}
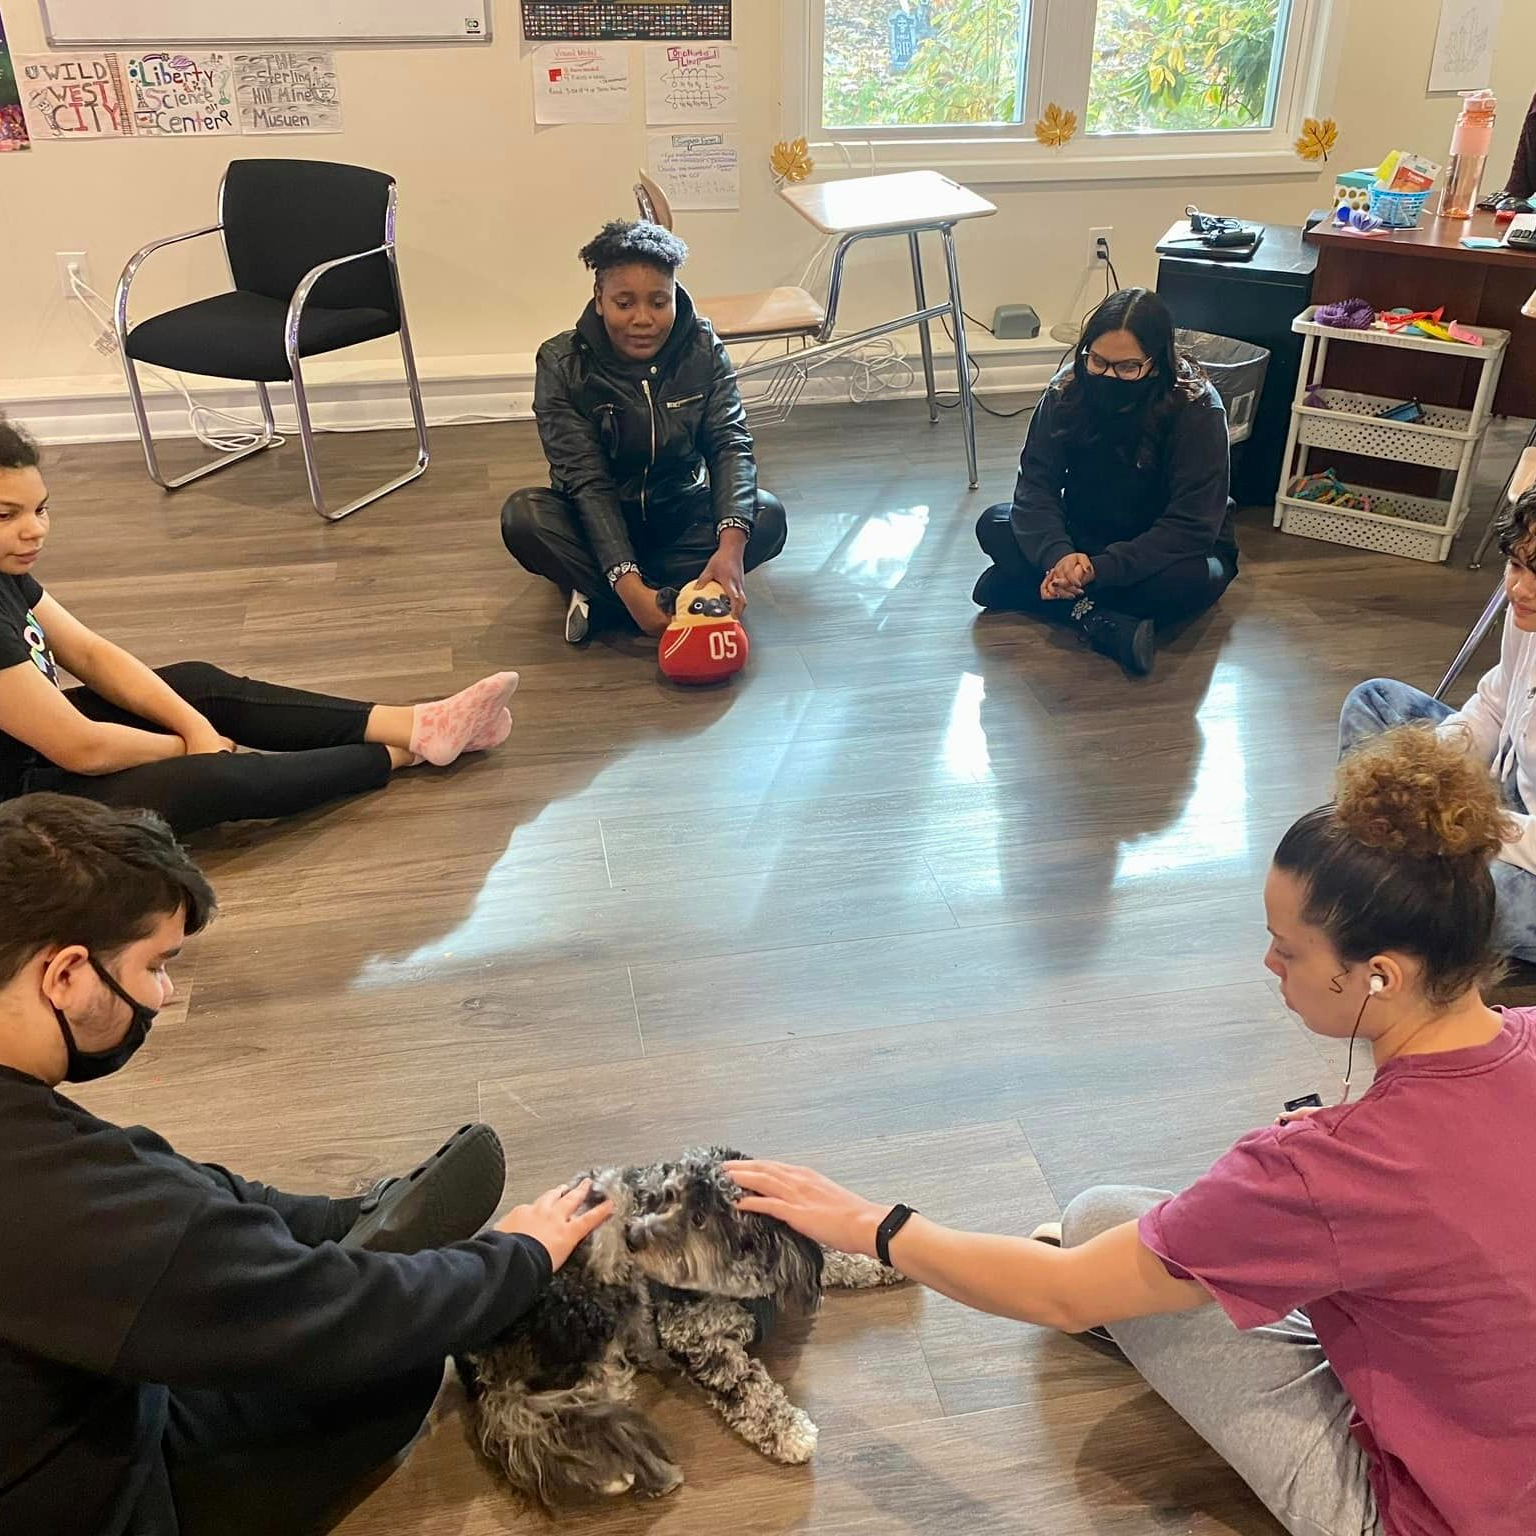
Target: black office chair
{"type": "Point", "coordinates": [311, 251]}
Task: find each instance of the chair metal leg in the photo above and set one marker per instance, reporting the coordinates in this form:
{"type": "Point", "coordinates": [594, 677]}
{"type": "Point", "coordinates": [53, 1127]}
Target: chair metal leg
{"type": "Point", "coordinates": [1475, 638]}
{"type": "Point", "coordinates": [962, 355]}
{"type": "Point", "coordinates": [925, 328]}
{"type": "Point", "coordinates": [307, 435]}
{"type": "Point", "coordinates": [268, 438]}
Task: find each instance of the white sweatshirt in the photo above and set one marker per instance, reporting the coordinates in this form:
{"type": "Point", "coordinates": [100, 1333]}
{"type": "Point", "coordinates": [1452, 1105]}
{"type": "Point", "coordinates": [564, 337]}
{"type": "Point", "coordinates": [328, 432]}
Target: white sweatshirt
{"type": "Point", "coordinates": [1499, 723]}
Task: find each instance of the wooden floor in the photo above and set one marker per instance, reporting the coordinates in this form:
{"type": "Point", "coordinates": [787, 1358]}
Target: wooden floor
{"type": "Point", "coordinates": [938, 901]}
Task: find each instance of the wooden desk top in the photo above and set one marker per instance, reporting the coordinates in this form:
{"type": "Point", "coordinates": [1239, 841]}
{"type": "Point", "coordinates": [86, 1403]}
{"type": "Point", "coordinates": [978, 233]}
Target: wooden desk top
{"type": "Point", "coordinates": [1434, 239]}
{"type": "Point", "coordinates": [869, 204]}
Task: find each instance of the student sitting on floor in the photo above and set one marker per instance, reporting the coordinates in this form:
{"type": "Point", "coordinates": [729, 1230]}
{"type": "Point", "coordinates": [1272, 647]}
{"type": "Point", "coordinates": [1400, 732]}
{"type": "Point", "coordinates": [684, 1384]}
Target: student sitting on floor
{"type": "Point", "coordinates": [166, 739]}
{"type": "Point", "coordinates": [652, 479]}
{"type": "Point", "coordinates": [184, 1353]}
{"type": "Point", "coordinates": [1120, 519]}
{"type": "Point", "coordinates": [1369, 1367]}
{"type": "Point", "coordinates": [1497, 725]}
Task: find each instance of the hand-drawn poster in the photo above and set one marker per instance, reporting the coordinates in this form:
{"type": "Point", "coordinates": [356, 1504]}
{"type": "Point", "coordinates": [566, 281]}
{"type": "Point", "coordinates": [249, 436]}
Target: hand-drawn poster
{"type": "Point", "coordinates": [699, 170]}
{"type": "Point", "coordinates": [692, 83]}
{"type": "Point", "coordinates": [13, 122]}
{"type": "Point", "coordinates": [73, 96]}
{"type": "Point", "coordinates": [1463, 58]}
{"type": "Point", "coordinates": [288, 91]}
{"type": "Point", "coordinates": [581, 83]}
{"type": "Point", "coordinates": [181, 94]}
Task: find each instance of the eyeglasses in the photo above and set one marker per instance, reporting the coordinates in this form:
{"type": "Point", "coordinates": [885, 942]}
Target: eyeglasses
{"type": "Point", "coordinates": [1129, 368]}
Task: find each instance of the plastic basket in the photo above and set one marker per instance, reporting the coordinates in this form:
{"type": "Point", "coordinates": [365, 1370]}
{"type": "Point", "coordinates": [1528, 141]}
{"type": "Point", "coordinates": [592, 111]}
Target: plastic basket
{"type": "Point", "coordinates": [1398, 210]}
{"type": "Point", "coordinates": [1237, 370]}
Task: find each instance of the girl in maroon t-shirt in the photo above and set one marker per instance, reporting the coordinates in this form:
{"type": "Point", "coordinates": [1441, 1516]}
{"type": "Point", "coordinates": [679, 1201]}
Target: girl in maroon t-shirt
{"type": "Point", "coordinates": [1369, 1365]}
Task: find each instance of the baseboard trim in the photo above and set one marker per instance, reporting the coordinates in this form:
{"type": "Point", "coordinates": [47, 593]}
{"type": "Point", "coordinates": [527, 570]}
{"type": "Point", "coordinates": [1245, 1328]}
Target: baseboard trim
{"type": "Point", "coordinates": [456, 391]}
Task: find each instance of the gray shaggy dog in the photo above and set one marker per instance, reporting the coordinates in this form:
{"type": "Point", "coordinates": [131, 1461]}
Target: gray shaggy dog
{"type": "Point", "coordinates": [678, 1280]}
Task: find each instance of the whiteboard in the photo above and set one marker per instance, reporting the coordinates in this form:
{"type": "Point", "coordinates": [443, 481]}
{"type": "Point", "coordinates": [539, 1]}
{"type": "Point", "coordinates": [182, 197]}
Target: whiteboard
{"type": "Point", "coordinates": [86, 23]}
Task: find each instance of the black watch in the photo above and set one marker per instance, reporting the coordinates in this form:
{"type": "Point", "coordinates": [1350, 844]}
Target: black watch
{"type": "Point", "coordinates": [898, 1217]}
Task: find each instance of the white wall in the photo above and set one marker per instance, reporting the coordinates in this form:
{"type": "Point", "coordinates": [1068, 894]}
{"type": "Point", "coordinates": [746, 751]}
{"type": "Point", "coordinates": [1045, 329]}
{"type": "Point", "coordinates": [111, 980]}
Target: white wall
{"type": "Point", "coordinates": [493, 210]}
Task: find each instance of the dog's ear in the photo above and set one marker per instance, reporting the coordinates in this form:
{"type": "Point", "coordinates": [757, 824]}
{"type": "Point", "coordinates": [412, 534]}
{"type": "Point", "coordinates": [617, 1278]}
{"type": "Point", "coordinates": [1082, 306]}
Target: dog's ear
{"type": "Point", "coordinates": [797, 1271]}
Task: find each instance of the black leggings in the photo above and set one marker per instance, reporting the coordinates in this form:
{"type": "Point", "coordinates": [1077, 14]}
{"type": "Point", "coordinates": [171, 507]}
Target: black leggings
{"type": "Point", "coordinates": [1178, 591]}
{"type": "Point", "coordinates": [310, 750]}
{"type": "Point", "coordinates": [543, 533]}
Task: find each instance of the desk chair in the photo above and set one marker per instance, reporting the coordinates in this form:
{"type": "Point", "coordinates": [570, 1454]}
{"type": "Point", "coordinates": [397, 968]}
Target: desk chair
{"type": "Point", "coordinates": [1520, 481]}
{"type": "Point", "coordinates": [777, 314]}
{"type": "Point", "coordinates": [311, 252]}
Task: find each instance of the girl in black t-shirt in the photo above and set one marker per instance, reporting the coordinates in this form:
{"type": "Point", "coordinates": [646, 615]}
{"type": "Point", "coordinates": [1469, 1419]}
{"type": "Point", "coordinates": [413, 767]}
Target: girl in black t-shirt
{"type": "Point", "coordinates": [167, 739]}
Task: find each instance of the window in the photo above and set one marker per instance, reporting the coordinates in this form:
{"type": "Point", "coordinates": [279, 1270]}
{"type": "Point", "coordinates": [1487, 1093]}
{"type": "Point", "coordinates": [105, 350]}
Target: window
{"type": "Point", "coordinates": [1226, 80]}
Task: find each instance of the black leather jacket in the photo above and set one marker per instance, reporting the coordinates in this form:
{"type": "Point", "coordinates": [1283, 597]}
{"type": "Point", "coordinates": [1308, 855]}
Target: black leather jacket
{"type": "Point", "coordinates": [634, 444]}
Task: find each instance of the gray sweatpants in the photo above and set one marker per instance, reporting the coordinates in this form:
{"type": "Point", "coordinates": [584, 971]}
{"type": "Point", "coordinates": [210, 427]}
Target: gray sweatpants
{"type": "Point", "coordinates": [1266, 1400]}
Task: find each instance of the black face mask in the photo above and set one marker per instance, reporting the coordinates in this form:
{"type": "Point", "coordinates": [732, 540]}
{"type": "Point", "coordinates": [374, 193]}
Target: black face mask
{"type": "Point", "coordinates": [1112, 396]}
{"type": "Point", "coordinates": [86, 1066]}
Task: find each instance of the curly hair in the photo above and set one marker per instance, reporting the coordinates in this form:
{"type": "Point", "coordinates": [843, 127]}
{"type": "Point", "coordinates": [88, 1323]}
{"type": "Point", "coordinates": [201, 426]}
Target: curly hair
{"type": "Point", "coordinates": [623, 241]}
{"type": "Point", "coordinates": [17, 449]}
{"type": "Point", "coordinates": [1399, 859]}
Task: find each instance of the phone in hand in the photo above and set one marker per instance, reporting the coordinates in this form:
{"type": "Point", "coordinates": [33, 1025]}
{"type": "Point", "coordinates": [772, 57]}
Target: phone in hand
{"type": "Point", "coordinates": [1306, 1101]}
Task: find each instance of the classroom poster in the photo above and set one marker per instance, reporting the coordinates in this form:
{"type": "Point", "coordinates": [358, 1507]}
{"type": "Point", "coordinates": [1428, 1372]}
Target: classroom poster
{"type": "Point", "coordinates": [73, 96]}
{"type": "Point", "coordinates": [181, 94]}
{"type": "Point", "coordinates": [1463, 58]}
{"type": "Point", "coordinates": [288, 91]}
{"type": "Point", "coordinates": [699, 170]}
{"type": "Point", "coordinates": [581, 83]}
{"type": "Point", "coordinates": [13, 122]}
{"type": "Point", "coordinates": [692, 83]}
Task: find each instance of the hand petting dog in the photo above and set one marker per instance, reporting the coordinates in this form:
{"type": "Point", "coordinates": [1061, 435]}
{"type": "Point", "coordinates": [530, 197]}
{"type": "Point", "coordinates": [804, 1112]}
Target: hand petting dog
{"type": "Point", "coordinates": [556, 1219]}
{"type": "Point", "coordinates": [811, 1203]}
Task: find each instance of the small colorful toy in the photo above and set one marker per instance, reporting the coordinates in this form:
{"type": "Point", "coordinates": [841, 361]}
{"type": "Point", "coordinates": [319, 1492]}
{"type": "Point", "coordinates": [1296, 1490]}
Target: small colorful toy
{"type": "Point", "coordinates": [704, 643]}
{"type": "Point", "coordinates": [1329, 491]}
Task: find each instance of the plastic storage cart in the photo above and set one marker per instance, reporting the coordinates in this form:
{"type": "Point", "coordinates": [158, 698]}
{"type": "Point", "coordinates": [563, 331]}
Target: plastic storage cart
{"type": "Point", "coordinates": [1418, 527]}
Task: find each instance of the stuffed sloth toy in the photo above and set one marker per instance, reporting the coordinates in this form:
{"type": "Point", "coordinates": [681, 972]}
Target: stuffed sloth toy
{"type": "Point", "coordinates": [703, 643]}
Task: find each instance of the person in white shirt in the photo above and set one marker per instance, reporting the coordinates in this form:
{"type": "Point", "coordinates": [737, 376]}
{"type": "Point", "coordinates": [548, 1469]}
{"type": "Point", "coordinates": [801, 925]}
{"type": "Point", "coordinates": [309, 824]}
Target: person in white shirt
{"type": "Point", "coordinates": [1498, 724]}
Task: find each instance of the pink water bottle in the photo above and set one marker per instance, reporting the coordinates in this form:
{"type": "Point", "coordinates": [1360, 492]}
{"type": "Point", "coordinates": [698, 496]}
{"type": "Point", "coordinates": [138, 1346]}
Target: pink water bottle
{"type": "Point", "coordinates": [1469, 154]}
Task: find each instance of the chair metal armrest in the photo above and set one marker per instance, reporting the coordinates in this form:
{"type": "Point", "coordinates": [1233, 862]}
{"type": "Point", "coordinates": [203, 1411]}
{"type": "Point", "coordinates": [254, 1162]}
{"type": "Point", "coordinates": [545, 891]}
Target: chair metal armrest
{"type": "Point", "coordinates": [125, 282]}
{"type": "Point", "coordinates": [306, 284]}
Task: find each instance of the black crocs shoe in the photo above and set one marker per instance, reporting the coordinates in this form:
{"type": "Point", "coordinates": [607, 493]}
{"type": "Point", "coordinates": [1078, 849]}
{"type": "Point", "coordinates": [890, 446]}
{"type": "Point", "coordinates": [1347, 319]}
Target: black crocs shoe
{"type": "Point", "coordinates": [446, 1199]}
{"type": "Point", "coordinates": [1132, 642]}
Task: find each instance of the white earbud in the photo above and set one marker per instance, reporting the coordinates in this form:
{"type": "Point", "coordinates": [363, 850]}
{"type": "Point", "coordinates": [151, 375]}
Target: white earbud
{"type": "Point", "coordinates": [1377, 983]}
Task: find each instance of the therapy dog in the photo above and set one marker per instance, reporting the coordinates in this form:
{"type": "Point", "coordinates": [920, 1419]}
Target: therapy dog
{"type": "Point", "coordinates": [679, 1280]}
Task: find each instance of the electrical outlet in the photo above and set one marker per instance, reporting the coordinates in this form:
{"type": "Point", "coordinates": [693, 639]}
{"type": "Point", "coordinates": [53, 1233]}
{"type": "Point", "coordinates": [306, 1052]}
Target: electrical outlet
{"type": "Point", "coordinates": [1095, 257]}
{"type": "Point", "coordinates": [63, 261]}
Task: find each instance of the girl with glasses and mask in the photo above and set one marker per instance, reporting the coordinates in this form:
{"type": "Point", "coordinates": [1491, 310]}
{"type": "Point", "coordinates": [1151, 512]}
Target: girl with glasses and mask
{"type": "Point", "coordinates": [1120, 520]}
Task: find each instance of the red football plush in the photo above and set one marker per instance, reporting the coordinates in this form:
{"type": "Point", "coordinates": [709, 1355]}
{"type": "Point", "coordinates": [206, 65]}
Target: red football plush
{"type": "Point", "coordinates": [703, 643]}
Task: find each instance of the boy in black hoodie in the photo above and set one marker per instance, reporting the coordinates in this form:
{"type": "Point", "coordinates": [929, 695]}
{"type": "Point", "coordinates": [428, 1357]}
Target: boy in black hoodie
{"type": "Point", "coordinates": [652, 479]}
{"type": "Point", "coordinates": [181, 1351]}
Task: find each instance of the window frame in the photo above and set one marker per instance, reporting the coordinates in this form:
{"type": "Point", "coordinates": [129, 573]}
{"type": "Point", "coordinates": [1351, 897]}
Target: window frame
{"type": "Point", "coordinates": [1057, 63]}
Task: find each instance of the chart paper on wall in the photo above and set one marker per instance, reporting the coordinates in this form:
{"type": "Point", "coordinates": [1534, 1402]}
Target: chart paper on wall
{"type": "Point", "coordinates": [699, 170]}
{"type": "Point", "coordinates": [581, 83]}
{"type": "Point", "coordinates": [73, 96]}
{"type": "Point", "coordinates": [1463, 58]}
{"type": "Point", "coordinates": [288, 91]}
{"type": "Point", "coordinates": [574, 21]}
{"type": "Point", "coordinates": [692, 83]}
{"type": "Point", "coordinates": [177, 94]}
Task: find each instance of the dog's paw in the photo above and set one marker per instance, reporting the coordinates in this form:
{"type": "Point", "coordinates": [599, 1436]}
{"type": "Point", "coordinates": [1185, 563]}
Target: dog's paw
{"type": "Point", "coordinates": [619, 1485]}
{"type": "Point", "coordinates": [795, 1442]}
{"type": "Point", "coordinates": [854, 1272]}
{"type": "Point", "coordinates": [669, 1480]}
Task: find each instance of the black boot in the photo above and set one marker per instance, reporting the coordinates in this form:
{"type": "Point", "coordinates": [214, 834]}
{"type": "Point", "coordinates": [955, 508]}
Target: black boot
{"type": "Point", "coordinates": [446, 1199]}
{"type": "Point", "coordinates": [994, 589]}
{"type": "Point", "coordinates": [1132, 642]}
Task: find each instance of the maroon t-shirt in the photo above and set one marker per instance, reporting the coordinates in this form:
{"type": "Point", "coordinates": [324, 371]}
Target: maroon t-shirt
{"type": "Point", "coordinates": [1405, 1227]}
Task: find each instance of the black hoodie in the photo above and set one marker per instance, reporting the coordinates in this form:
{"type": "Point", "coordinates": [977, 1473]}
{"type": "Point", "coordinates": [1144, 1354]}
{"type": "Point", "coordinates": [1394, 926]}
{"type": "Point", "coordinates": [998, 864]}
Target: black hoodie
{"type": "Point", "coordinates": [634, 444]}
{"type": "Point", "coordinates": [127, 1271]}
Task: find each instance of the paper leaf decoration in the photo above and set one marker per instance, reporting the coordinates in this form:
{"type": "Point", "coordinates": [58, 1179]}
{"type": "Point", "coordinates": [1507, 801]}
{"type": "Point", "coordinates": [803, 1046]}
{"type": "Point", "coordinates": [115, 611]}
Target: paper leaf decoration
{"type": "Point", "coordinates": [1317, 138]}
{"type": "Point", "coordinates": [791, 160]}
{"type": "Point", "coordinates": [1057, 126]}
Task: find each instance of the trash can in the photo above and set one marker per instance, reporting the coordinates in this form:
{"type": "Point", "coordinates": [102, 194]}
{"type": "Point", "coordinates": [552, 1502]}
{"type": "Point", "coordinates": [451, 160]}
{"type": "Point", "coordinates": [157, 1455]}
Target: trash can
{"type": "Point", "coordinates": [1237, 369]}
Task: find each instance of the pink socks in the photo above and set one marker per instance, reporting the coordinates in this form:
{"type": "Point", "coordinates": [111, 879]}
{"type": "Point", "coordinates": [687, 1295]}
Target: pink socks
{"type": "Point", "coordinates": [470, 721]}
